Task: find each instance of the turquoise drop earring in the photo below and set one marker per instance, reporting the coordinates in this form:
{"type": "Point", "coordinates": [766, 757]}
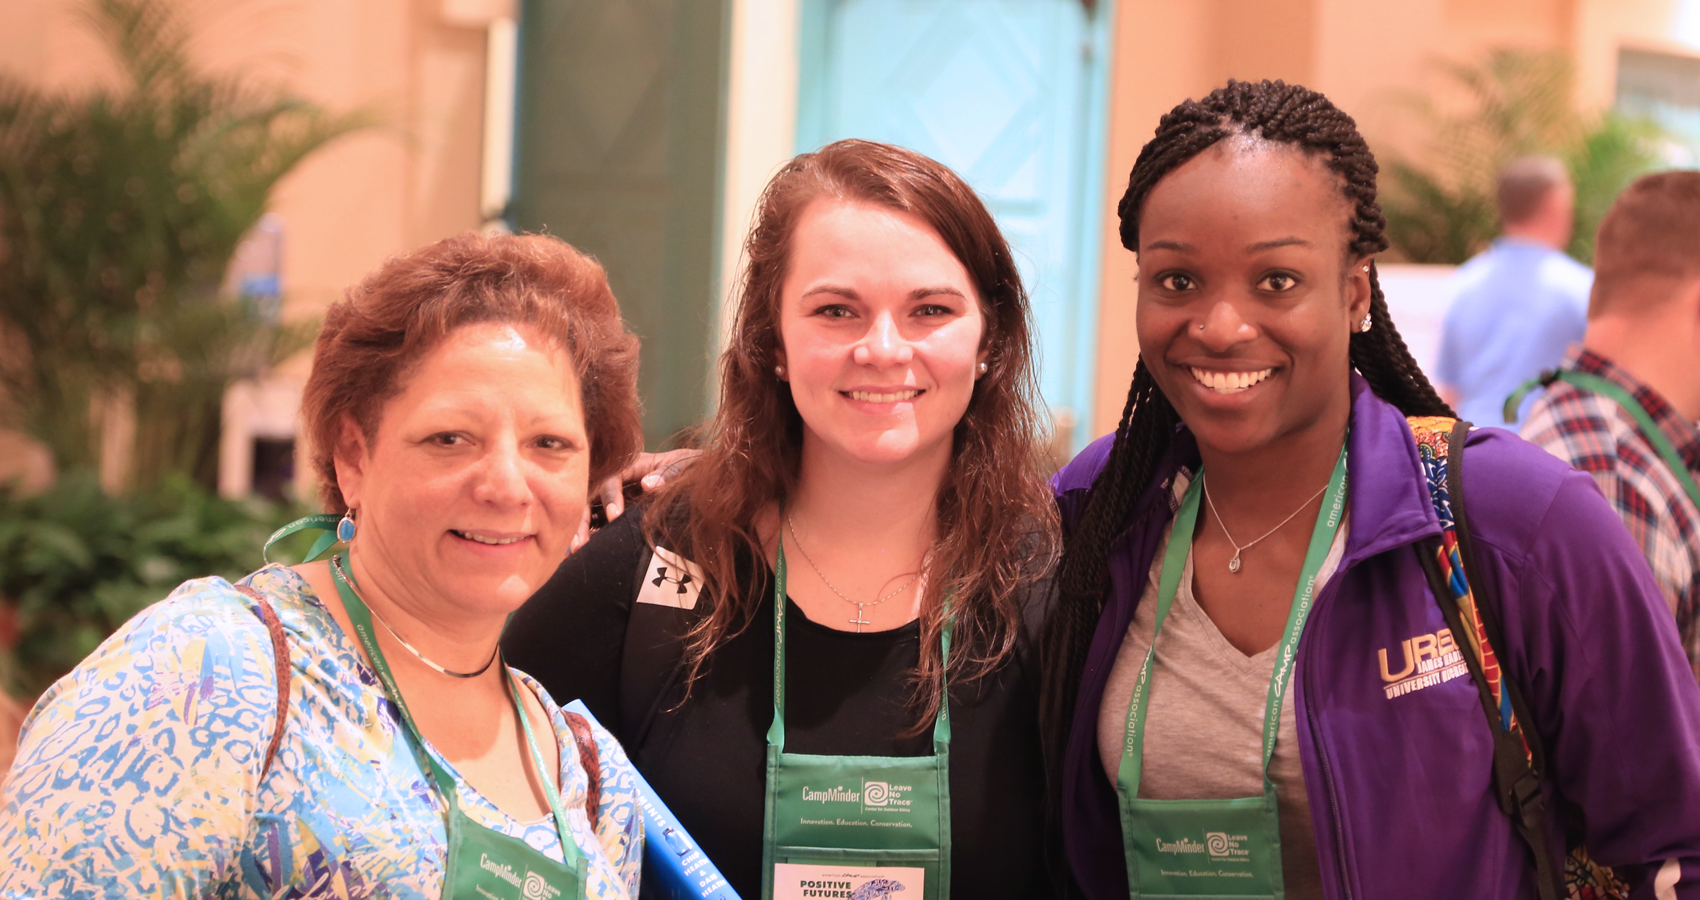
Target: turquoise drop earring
{"type": "Point", "coordinates": [345, 528]}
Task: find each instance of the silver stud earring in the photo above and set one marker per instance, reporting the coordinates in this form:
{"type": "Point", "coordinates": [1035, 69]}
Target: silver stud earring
{"type": "Point", "coordinates": [1365, 324]}
{"type": "Point", "coordinates": [1366, 268]}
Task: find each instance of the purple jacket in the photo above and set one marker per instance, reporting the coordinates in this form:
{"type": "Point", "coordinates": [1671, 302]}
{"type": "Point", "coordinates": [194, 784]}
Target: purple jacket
{"type": "Point", "coordinates": [1400, 780]}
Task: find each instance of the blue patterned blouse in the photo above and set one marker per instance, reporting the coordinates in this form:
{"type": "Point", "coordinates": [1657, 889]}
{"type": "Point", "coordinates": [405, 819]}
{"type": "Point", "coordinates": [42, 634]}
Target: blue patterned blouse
{"type": "Point", "coordinates": [138, 774]}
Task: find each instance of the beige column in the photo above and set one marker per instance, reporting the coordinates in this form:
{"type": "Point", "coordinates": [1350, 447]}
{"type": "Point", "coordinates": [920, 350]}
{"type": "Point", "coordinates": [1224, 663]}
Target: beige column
{"type": "Point", "coordinates": [761, 129]}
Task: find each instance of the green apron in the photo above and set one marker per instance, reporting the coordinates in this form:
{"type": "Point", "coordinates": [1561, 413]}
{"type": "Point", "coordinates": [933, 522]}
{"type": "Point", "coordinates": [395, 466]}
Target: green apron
{"type": "Point", "coordinates": [480, 864]}
{"type": "Point", "coordinates": [853, 827]}
{"type": "Point", "coordinates": [1214, 848]}
{"type": "Point", "coordinates": [1649, 428]}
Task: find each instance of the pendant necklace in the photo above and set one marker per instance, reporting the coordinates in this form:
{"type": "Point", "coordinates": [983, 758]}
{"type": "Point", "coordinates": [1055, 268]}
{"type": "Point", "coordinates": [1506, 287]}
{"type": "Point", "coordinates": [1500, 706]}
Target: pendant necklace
{"type": "Point", "coordinates": [859, 621]}
{"type": "Point", "coordinates": [1234, 564]}
{"type": "Point", "coordinates": [337, 562]}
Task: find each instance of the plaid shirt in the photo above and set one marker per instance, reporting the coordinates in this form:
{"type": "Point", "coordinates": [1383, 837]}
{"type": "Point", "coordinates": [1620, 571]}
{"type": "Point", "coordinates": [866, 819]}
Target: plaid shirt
{"type": "Point", "coordinates": [1596, 435]}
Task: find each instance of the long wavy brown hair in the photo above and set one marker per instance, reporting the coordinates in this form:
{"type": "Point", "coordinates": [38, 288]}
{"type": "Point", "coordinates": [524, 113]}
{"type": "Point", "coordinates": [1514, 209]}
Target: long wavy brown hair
{"type": "Point", "coordinates": [996, 530]}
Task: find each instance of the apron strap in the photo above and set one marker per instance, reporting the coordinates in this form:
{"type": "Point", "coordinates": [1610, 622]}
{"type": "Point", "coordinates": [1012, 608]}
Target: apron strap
{"type": "Point", "coordinates": [1174, 564]}
{"type": "Point", "coordinates": [776, 730]}
{"type": "Point", "coordinates": [361, 618]}
{"type": "Point", "coordinates": [941, 724]}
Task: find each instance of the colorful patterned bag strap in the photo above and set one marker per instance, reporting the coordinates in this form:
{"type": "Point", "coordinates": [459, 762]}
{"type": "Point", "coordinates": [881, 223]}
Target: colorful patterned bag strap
{"type": "Point", "coordinates": [280, 661]}
{"type": "Point", "coordinates": [1472, 612]}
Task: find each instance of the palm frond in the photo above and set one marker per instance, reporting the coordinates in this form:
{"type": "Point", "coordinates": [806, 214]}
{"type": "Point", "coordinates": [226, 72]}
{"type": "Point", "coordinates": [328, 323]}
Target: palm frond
{"type": "Point", "coordinates": [120, 210]}
{"type": "Point", "coordinates": [1513, 103]}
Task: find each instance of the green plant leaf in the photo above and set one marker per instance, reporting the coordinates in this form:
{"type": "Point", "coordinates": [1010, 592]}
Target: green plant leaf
{"type": "Point", "coordinates": [120, 209]}
{"type": "Point", "coordinates": [75, 564]}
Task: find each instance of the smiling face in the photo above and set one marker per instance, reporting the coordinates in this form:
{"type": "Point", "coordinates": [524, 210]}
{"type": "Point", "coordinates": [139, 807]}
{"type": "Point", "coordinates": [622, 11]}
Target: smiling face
{"type": "Point", "coordinates": [1246, 300]}
{"type": "Point", "coordinates": [881, 330]}
{"type": "Point", "coordinates": [476, 478]}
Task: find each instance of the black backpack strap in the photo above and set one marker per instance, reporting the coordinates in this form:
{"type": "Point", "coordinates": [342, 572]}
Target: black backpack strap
{"type": "Point", "coordinates": [1518, 757]}
{"type": "Point", "coordinates": [652, 661]}
{"type": "Point", "coordinates": [652, 667]}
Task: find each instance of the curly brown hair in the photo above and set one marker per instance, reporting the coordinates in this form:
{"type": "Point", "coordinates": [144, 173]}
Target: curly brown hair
{"type": "Point", "coordinates": [373, 336]}
{"type": "Point", "coordinates": [997, 531]}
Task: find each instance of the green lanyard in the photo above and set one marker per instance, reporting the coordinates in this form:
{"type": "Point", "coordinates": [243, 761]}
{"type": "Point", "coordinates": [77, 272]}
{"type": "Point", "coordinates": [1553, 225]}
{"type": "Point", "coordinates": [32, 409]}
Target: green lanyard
{"type": "Point", "coordinates": [1215, 848]}
{"type": "Point", "coordinates": [480, 863]}
{"type": "Point", "coordinates": [1649, 428]}
{"type": "Point", "coordinates": [324, 522]}
{"type": "Point", "coordinates": [776, 731]}
{"type": "Point", "coordinates": [362, 619]}
{"type": "Point", "coordinates": [853, 826]}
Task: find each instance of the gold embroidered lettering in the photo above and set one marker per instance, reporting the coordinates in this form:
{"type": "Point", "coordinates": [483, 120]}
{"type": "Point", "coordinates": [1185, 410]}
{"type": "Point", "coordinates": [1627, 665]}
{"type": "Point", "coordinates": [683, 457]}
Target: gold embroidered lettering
{"type": "Point", "coordinates": [1410, 664]}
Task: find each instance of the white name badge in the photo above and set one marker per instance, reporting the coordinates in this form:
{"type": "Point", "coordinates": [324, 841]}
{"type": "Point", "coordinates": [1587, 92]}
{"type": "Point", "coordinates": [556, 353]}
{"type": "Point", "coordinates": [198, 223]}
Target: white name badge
{"type": "Point", "coordinates": [800, 882]}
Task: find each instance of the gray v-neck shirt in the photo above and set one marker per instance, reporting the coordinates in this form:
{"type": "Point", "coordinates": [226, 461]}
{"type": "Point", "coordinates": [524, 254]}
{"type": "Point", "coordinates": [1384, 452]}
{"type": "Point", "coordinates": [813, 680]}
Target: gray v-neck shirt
{"type": "Point", "coordinates": [1204, 722]}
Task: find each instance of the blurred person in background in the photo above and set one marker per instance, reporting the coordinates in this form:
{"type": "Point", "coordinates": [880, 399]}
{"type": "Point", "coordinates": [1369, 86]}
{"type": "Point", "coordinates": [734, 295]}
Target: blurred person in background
{"type": "Point", "coordinates": [838, 591]}
{"type": "Point", "coordinates": [1623, 406]}
{"type": "Point", "coordinates": [1522, 302]}
{"type": "Point", "coordinates": [265, 738]}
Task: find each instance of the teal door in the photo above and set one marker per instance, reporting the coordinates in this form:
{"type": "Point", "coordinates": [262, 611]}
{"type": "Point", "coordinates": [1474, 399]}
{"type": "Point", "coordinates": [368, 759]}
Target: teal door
{"type": "Point", "coordinates": [1009, 93]}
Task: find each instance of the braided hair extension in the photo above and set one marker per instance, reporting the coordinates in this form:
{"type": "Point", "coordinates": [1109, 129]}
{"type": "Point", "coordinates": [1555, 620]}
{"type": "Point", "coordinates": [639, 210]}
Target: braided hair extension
{"type": "Point", "coordinates": [1273, 111]}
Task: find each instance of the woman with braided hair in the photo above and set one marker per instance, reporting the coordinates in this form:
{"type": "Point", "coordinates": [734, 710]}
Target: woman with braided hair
{"type": "Point", "coordinates": [1253, 677]}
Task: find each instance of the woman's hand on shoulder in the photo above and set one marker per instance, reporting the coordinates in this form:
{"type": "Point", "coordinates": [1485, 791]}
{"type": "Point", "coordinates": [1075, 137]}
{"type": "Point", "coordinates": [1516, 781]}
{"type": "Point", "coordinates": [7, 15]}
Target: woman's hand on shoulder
{"type": "Point", "coordinates": [649, 472]}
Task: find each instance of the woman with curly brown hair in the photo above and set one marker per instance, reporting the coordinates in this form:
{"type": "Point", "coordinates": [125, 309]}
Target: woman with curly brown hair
{"type": "Point", "coordinates": [346, 728]}
{"type": "Point", "coordinates": [815, 644]}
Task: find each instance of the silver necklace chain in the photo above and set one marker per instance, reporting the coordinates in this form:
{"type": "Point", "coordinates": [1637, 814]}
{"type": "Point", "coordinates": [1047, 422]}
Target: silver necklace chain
{"type": "Point", "coordinates": [1234, 564]}
{"type": "Point", "coordinates": [410, 648]}
{"type": "Point", "coordinates": [859, 621]}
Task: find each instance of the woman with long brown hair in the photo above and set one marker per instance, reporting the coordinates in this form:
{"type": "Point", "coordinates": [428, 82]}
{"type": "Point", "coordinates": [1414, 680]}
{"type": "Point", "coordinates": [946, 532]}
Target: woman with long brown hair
{"type": "Point", "coordinates": [876, 463]}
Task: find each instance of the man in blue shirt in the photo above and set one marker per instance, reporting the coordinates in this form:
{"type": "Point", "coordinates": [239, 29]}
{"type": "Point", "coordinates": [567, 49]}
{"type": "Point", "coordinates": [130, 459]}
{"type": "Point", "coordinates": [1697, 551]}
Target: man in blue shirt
{"type": "Point", "coordinates": [1521, 302]}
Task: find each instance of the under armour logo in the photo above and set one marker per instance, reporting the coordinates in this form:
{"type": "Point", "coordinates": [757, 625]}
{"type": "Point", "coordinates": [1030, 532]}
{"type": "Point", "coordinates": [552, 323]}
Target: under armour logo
{"type": "Point", "coordinates": [671, 580]}
{"type": "Point", "coordinates": [680, 578]}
